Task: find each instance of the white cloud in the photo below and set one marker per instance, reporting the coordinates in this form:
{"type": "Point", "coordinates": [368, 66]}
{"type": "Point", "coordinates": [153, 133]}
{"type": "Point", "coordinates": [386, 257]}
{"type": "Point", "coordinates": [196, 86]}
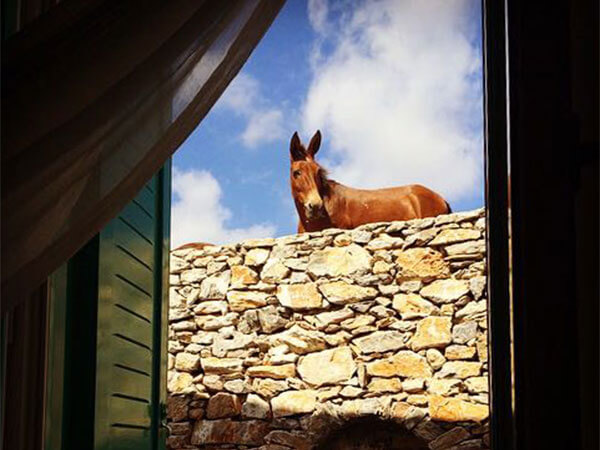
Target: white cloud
{"type": "Point", "coordinates": [241, 94]}
{"type": "Point", "coordinates": [264, 127]}
{"type": "Point", "coordinates": [317, 14]}
{"type": "Point", "coordinates": [264, 123]}
{"type": "Point", "coordinates": [399, 96]}
{"type": "Point", "coordinates": [198, 215]}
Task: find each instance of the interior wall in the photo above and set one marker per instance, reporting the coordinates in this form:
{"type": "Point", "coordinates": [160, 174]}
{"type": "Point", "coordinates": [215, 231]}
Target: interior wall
{"type": "Point", "coordinates": [25, 353]}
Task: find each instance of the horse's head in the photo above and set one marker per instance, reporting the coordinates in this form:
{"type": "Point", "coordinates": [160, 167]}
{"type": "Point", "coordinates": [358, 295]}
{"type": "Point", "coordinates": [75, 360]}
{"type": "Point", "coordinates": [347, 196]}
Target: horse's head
{"type": "Point", "coordinates": [307, 178]}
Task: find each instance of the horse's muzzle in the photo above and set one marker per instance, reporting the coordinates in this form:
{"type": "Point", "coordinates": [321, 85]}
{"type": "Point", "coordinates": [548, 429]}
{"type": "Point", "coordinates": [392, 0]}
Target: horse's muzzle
{"type": "Point", "coordinates": [314, 211]}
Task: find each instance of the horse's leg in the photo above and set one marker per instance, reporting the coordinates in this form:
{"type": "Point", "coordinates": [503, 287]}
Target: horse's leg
{"type": "Point", "coordinates": [300, 227]}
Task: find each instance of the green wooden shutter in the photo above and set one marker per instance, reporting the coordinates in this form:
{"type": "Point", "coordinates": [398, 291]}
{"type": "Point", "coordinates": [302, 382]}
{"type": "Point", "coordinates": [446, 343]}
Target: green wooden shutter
{"type": "Point", "coordinates": [107, 365]}
{"type": "Point", "coordinates": [132, 322]}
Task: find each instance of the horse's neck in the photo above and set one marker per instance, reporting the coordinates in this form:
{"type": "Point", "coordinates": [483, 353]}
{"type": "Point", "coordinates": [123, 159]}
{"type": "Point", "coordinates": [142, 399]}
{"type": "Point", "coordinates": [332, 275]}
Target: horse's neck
{"type": "Point", "coordinates": [337, 202]}
{"type": "Point", "coordinates": [338, 199]}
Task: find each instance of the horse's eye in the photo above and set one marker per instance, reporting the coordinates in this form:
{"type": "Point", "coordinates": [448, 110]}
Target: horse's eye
{"type": "Point", "coordinates": [296, 173]}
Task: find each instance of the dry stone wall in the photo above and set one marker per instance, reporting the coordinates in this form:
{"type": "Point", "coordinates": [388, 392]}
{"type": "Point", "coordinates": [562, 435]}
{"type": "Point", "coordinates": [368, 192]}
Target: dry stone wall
{"type": "Point", "coordinates": [276, 343]}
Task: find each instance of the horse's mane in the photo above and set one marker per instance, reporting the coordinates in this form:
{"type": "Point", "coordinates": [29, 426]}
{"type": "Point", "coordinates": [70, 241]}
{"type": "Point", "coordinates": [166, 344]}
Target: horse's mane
{"type": "Point", "coordinates": [325, 181]}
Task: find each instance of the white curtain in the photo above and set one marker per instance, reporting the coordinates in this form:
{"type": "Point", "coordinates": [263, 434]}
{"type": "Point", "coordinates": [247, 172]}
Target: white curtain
{"type": "Point", "coordinates": [95, 97]}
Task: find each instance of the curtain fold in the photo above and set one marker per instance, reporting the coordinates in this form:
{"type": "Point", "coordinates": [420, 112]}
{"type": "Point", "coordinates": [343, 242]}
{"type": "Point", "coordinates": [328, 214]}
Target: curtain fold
{"type": "Point", "coordinates": [95, 98]}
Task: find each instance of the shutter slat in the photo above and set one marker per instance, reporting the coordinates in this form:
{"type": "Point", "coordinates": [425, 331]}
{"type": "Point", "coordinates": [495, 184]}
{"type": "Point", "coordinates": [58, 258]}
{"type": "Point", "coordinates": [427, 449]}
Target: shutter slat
{"type": "Point", "coordinates": [125, 411]}
{"type": "Point", "coordinates": [130, 297]}
{"type": "Point", "coordinates": [143, 225]}
{"type": "Point", "coordinates": [131, 384]}
{"type": "Point", "coordinates": [130, 438]}
{"type": "Point", "coordinates": [128, 353]}
{"type": "Point", "coordinates": [133, 325]}
{"type": "Point", "coordinates": [132, 271]}
{"type": "Point", "coordinates": [132, 241]}
{"type": "Point", "coordinates": [145, 200]}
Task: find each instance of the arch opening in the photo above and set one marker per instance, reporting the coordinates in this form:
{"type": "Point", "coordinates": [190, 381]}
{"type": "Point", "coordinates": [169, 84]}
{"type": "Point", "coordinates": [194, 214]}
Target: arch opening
{"type": "Point", "coordinates": [371, 433]}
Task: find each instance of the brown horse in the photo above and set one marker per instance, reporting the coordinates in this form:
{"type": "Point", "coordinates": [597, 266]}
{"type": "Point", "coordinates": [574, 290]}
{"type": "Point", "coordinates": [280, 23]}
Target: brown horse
{"type": "Point", "coordinates": [323, 203]}
{"type": "Point", "coordinates": [193, 245]}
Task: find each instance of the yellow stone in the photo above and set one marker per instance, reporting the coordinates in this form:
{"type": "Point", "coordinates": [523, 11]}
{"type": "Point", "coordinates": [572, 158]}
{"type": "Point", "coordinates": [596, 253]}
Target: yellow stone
{"type": "Point", "coordinates": [385, 385]}
{"type": "Point", "coordinates": [243, 300]}
{"type": "Point", "coordinates": [268, 387]}
{"type": "Point", "coordinates": [299, 296]}
{"type": "Point", "coordinates": [412, 306]}
{"type": "Point", "coordinates": [179, 382]}
{"type": "Point", "coordinates": [444, 386]}
{"type": "Point", "coordinates": [445, 291]}
{"type": "Point", "coordinates": [406, 412]}
{"type": "Point", "coordinates": [223, 405]}
{"type": "Point", "coordinates": [476, 385]}
{"type": "Point", "coordinates": [421, 263]}
{"type": "Point", "coordinates": [274, 271]}
{"type": "Point", "coordinates": [432, 332]}
{"type": "Point", "coordinates": [381, 267]}
{"type": "Point", "coordinates": [261, 242]}
{"type": "Point", "coordinates": [455, 235]}
{"type": "Point", "coordinates": [385, 242]}
{"type": "Point", "coordinates": [221, 365]}
{"type": "Point", "coordinates": [482, 349]}
{"type": "Point", "coordinates": [417, 399]}
{"type": "Point", "coordinates": [278, 372]}
{"type": "Point", "coordinates": [456, 410]}
{"type": "Point", "coordinates": [256, 257]}
{"type": "Point", "coordinates": [404, 363]}
{"type": "Point", "coordinates": [294, 402]}
{"type": "Point", "coordinates": [187, 362]}
{"type": "Point", "coordinates": [400, 410]}
{"type": "Point", "coordinates": [299, 340]}
{"type": "Point", "coordinates": [357, 322]}
{"type": "Point", "coordinates": [243, 276]}
{"type": "Point", "coordinates": [466, 248]}
{"type": "Point", "coordinates": [340, 261]}
{"type": "Point", "coordinates": [342, 240]}
{"type": "Point", "coordinates": [328, 393]}
{"type": "Point", "coordinates": [362, 407]}
{"type": "Point", "coordinates": [341, 293]}
{"type": "Point", "coordinates": [447, 310]}
{"type": "Point", "coordinates": [435, 358]}
{"type": "Point", "coordinates": [327, 367]}
{"type": "Point", "coordinates": [454, 352]}
{"type": "Point", "coordinates": [460, 369]}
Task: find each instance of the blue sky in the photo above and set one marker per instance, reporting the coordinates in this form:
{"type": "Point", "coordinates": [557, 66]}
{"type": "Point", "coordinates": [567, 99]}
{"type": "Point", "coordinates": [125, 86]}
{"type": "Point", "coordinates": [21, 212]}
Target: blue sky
{"type": "Point", "coordinates": [394, 86]}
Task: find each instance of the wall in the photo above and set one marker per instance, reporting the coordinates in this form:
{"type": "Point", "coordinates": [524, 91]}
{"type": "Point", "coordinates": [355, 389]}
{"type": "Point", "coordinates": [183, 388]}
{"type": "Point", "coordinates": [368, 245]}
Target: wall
{"type": "Point", "coordinates": [279, 343]}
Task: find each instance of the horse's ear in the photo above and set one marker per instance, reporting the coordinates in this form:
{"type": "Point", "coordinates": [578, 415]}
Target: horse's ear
{"type": "Point", "coordinates": [314, 145]}
{"type": "Point", "coordinates": [296, 149]}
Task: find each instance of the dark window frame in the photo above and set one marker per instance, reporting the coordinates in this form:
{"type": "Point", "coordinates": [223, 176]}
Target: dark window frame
{"type": "Point", "coordinates": [497, 224]}
{"type": "Point", "coordinates": [542, 141]}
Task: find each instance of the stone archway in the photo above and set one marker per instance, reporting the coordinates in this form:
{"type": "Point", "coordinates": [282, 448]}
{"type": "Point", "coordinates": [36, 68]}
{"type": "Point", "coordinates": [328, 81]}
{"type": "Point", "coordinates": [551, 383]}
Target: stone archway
{"type": "Point", "coordinates": [371, 433]}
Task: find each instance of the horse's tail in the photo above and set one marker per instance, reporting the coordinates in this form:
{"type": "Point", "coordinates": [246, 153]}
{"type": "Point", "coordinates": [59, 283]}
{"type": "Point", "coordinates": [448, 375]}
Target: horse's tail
{"type": "Point", "coordinates": [449, 209]}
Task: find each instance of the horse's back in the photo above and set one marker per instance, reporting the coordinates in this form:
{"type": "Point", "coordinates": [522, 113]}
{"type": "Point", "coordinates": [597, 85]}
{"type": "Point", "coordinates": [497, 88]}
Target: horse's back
{"type": "Point", "coordinates": [429, 202]}
{"type": "Point", "coordinates": [407, 202]}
